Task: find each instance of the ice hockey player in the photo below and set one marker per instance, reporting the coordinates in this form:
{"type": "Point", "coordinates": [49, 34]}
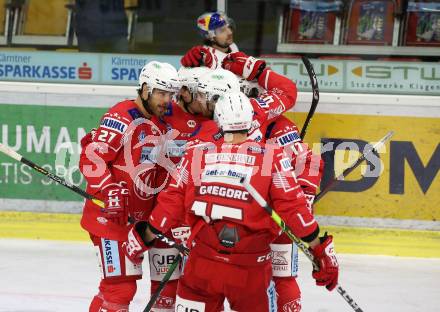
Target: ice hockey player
{"type": "Point", "coordinates": [279, 97]}
{"type": "Point", "coordinates": [217, 31]}
{"type": "Point", "coordinates": [270, 125]}
{"type": "Point", "coordinates": [230, 242]}
{"type": "Point", "coordinates": [185, 114]}
{"type": "Point", "coordinates": [185, 117]}
{"type": "Point", "coordinates": [119, 162]}
{"type": "Point", "coordinates": [309, 169]}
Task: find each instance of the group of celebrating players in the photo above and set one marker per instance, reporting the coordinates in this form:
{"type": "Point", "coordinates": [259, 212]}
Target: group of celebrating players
{"type": "Point", "coordinates": [172, 162]}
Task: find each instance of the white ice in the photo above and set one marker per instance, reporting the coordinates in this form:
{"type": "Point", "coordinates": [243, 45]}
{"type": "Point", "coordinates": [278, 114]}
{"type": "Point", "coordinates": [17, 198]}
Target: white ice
{"type": "Point", "coordinates": [48, 276]}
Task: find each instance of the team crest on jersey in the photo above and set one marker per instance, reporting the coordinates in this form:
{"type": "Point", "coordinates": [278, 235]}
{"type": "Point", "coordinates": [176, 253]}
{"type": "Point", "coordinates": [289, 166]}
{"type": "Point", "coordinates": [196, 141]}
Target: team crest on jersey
{"type": "Point", "coordinates": [114, 124]}
{"type": "Point", "coordinates": [142, 136]}
{"type": "Point", "coordinates": [191, 123]}
{"type": "Point", "coordinates": [288, 138]}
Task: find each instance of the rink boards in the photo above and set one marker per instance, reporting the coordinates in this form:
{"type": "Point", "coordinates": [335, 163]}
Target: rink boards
{"type": "Point", "coordinates": [45, 119]}
{"type": "Point", "coordinates": [348, 240]}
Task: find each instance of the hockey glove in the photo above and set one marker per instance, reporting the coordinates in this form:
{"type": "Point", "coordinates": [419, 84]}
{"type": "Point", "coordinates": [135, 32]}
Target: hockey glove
{"type": "Point", "coordinates": [135, 246]}
{"type": "Point", "coordinates": [88, 138]}
{"type": "Point", "coordinates": [199, 56]}
{"type": "Point", "coordinates": [325, 256]}
{"type": "Point", "coordinates": [243, 65]}
{"type": "Point", "coordinates": [116, 202]}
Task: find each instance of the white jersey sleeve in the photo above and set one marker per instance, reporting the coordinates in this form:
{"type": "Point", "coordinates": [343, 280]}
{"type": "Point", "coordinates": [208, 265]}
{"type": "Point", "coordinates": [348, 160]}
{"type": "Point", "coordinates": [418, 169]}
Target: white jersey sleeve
{"type": "Point", "coordinates": [221, 55]}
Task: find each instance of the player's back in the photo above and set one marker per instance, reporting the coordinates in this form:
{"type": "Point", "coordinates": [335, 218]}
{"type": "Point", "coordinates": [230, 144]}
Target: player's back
{"type": "Point", "coordinates": [217, 198]}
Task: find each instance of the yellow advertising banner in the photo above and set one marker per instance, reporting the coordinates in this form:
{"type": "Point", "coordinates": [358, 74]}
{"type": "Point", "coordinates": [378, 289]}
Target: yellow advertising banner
{"type": "Point", "coordinates": [406, 184]}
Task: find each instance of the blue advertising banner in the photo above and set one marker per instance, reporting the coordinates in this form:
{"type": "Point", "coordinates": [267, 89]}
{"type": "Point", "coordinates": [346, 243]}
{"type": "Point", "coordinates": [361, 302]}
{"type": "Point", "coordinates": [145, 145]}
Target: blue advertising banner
{"type": "Point", "coordinates": [123, 69]}
{"type": "Point", "coordinates": [50, 67]}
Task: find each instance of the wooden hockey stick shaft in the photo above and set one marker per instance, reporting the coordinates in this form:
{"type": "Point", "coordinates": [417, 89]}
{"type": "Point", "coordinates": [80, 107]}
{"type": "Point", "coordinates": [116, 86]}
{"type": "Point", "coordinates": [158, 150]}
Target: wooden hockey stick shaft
{"type": "Point", "coordinates": [11, 153]}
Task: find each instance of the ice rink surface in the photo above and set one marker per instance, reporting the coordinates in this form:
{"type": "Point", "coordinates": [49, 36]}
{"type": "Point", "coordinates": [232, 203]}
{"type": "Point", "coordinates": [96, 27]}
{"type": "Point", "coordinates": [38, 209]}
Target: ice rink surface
{"type": "Point", "coordinates": [49, 276]}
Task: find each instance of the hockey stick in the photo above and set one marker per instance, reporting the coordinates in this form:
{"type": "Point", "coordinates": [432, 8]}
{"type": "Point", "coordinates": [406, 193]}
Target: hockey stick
{"type": "Point", "coordinates": [163, 282]}
{"type": "Point", "coordinates": [347, 171]}
{"type": "Point", "coordinates": [11, 153]}
{"type": "Point", "coordinates": [315, 98]}
{"type": "Point", "coordinates": [280, 222]}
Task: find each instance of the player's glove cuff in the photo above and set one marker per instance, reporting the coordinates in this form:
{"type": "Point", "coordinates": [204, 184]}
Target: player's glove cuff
{"type": "Point", "coordinates": [136, 244]}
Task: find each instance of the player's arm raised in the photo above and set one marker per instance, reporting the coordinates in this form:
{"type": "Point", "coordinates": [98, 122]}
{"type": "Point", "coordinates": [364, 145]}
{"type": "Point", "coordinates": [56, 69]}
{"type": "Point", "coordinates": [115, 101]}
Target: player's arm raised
{"type": "Point", "coordinates": [281, 92]}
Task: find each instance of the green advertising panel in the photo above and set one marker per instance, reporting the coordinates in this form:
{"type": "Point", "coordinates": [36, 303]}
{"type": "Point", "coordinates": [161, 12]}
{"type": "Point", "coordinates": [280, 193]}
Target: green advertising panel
{"type": "Point", "coordinates": [334, 75]}
{"type": "Point", "coordinates": [48, 136]}
{"type": "Point", "coordinates": [393, 77]}
{"type": "Point", "coordinates": [330, 74]}
{"type": "Point", "coordinates": [421, 78]}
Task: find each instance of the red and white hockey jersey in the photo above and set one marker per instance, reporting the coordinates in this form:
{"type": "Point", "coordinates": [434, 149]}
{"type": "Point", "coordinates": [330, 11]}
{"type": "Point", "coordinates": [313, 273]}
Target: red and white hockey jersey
{"type": "Point", "coordinates": [308, 166]}
{"type": "Point", "coordinates": [185, 124]}
{"type": "Point", "coordinates": [220, 55]}
{"type": "Point", "coordinates": [126, 147]}
{"type": "Point", "coordinates": [208, 190]}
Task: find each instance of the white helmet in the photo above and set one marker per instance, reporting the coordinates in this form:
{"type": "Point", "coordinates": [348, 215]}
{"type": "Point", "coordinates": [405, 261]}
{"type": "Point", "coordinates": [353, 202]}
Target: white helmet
{"type": "Point", "coordinates": [189, 77]}
{"type": "Point", "coordinates": [233, 112]}
{"type": "Point", "coordinates": [159, 75]}
{"type": "Point", "coordinates": [251, 88]}
{"type": "Point", "coordinates": [218, 82]}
